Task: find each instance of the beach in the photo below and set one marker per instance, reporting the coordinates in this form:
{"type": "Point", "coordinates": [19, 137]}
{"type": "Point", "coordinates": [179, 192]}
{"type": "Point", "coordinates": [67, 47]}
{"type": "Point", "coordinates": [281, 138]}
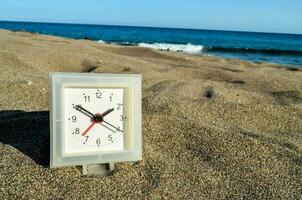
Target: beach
{"type": "Point", "coordinates": [213, 128]}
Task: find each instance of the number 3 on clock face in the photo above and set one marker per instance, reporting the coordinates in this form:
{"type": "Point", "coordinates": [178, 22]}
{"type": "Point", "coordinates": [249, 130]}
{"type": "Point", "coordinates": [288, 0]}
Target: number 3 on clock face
{"type": "Point", "coordinates": [94, 119]}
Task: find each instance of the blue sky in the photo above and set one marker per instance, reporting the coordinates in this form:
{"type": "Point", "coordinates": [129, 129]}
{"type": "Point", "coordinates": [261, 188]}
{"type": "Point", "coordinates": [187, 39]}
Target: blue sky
{"type": "Point", "coordinates": [283, 16]}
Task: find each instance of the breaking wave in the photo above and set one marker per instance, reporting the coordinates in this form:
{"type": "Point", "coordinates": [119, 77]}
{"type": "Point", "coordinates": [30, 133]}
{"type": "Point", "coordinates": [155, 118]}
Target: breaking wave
{"type": "Point", "coordinates": [101, 42]}
{"type": "Point", "coordinates": [188, 48]}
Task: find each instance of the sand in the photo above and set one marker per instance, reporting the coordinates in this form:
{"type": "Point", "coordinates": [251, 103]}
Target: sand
{"type": "Point", "coordinates": [212, 128]}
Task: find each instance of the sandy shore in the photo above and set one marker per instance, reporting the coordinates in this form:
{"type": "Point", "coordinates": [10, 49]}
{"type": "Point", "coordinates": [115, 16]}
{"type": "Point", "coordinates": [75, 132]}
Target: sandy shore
{"type": "Point", "coordinates": [212, 128]}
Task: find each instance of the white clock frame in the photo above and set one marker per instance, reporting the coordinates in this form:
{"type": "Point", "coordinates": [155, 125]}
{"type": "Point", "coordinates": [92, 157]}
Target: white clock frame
{"type": "Point", "coordinates": [132, 84]}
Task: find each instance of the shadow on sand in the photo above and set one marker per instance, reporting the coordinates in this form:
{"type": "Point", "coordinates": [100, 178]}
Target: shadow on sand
{"type": "Point", "coordinates": [28, 132]}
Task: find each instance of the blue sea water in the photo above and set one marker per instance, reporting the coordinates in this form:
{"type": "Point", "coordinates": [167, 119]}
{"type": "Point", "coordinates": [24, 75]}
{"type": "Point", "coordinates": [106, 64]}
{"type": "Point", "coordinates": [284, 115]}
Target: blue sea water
{"type": "Point", "coordinates": [285, 49]}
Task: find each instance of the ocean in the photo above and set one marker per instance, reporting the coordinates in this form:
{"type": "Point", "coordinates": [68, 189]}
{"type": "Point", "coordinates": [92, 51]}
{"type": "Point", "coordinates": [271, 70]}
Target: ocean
{"type": "Point", "coordinates": [284, 49]}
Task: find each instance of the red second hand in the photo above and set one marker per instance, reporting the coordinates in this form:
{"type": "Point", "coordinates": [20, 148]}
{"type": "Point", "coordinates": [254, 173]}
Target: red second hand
{"type": "Point", "coordinates": [89, 127]}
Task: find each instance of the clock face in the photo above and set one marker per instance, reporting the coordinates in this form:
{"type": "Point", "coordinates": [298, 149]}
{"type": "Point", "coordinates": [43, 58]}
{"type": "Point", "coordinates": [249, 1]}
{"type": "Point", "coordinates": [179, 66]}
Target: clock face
{"type": "Point", "coordinates": [93, 120]}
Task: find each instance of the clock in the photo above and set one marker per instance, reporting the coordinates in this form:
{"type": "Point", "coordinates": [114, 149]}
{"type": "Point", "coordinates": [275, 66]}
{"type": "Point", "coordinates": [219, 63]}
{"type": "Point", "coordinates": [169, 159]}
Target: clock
{"type": "Point", "coordinates": [95, 120]}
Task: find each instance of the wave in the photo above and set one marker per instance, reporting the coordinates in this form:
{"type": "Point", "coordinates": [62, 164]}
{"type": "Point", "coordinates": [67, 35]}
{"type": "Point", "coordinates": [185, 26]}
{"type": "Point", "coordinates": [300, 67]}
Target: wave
{"type": "Point", "coordinates": [251, 50]}
{"type": "Point", "coordinates": [188, 48]}
{"type": "Point", "coordinates": [118, 43]}
{"type": "Point", "coordinates": [101, 42]}
{"type": "Point", "coordinates": [198, 49]}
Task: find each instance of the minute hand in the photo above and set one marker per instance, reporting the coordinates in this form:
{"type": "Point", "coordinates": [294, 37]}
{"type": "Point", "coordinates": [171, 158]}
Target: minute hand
{"type": "Point", "coordinates": [80, 108]}
{"type": "Point", "coordinates": [112, 126]}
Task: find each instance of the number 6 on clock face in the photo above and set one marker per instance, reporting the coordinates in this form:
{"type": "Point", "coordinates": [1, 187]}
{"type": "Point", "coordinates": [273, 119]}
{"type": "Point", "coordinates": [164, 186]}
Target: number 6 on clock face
{"type": "Point", "coordinates": [95, 118]}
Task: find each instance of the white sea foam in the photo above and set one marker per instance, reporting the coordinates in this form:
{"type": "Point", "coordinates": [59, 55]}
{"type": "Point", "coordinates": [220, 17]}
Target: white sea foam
{"type": "Point", "coordinates": [101, 42]}
{"type": "Point", "coordinates": [188, 48]}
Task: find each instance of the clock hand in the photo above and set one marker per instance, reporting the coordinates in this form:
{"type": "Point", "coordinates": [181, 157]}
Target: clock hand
{"type": "Point", "coordinates": [108, 128]}
{"type": "Point", "coordinates": [84, 111]}
{"type": "Point", "coordinates": [107, 112]}
{"type": "Point", "coordinates": [89, 127]}
{"type": "Point", "coordinates": [112, 126]}
{"type": "Point", "coordinates": [100, 117]}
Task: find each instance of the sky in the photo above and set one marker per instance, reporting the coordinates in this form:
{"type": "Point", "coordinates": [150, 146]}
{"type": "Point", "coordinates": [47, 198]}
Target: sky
{"type": "Point", "coordinates": [280, 16]}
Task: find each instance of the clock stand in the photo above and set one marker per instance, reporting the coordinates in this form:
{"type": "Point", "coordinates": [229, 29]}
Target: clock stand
{"type": "Point", "coordinates": [98, 169]}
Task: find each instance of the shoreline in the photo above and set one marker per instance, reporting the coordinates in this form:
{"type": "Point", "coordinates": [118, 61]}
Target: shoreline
{"type": "Point", "coordinates": [199, 49]}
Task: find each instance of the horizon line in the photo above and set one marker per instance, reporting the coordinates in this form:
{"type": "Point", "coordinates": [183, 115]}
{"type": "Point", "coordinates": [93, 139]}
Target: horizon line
{"type": "Point", "coordinates": [142, 26]}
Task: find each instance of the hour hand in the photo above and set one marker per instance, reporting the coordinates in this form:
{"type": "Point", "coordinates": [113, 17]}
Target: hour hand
{"type": "Point", "coordinates": [84, 111]}
{"type": "Point", "coordinates": [107, 112]}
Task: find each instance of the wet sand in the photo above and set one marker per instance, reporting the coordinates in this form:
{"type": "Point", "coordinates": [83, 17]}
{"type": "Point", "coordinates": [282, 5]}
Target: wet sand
{"type": "Point", "coordinates": [212, 128]}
